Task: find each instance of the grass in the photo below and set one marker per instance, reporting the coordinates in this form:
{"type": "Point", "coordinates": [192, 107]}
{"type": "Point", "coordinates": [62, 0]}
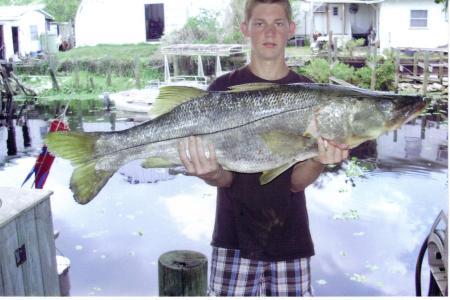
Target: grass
{"type": "Point", "coordinates": [119, 52]}
{"type": "Point", "coordinates": [298, 51]}
{"type": "Point", "coordinates": [93, 62]}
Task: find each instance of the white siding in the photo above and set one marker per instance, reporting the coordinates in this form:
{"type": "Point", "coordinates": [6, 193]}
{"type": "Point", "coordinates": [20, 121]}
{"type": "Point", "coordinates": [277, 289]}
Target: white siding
{"type": "Point", "coordinates": [26, 44]}
{"type": "Point", "coordinates": [7, 39]}
{"type": "Point", "coordinates": [24, 22]}
{"type": "Point", "coordinates": [123, 21]}
{"type": "Point", "coordinates": [395, 28]}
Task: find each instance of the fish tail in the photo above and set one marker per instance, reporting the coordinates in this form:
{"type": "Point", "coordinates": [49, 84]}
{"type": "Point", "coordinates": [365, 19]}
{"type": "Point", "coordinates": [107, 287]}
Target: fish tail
{"type": "Point", "coordinates": [86, 180]}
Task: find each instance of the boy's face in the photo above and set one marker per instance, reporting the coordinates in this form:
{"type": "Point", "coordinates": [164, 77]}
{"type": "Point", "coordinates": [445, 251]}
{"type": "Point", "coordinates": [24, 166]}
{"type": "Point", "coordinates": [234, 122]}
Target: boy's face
{"type": "Point", "coordinates": [268, 29]}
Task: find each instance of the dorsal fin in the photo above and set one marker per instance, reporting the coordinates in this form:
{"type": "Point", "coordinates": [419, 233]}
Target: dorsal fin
{"type": "Point", "coordinates": [252, 87]}
{"type": "Point", "coordinates": [171, 96]}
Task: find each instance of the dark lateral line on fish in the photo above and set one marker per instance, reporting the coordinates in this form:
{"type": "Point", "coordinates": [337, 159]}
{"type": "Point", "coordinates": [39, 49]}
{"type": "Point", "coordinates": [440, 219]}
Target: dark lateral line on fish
{"type": "Point", "coordinates": [203, 134]}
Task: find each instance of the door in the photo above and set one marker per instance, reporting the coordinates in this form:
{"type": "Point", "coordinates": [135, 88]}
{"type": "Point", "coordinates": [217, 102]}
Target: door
{"type": "Point", "coordinates": [15, 38]}
{"type": "Point", "coordinates": [154, 21]}
{"type": "Point", "coordinates": [336, 18]}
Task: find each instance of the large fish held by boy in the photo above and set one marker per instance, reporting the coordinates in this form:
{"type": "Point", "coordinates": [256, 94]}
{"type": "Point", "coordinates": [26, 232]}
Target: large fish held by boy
{"type": "Point", "coordinates": [254, 127]}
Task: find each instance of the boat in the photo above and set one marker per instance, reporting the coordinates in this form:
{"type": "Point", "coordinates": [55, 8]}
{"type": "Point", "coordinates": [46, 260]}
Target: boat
{"type": "Point", "coordinates": [140, 100]}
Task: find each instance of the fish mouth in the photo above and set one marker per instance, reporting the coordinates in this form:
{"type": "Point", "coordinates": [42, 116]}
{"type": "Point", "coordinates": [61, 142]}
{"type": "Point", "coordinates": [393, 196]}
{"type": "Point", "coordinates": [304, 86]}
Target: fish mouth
{"type": "Point", "coordinates": [407, 114]}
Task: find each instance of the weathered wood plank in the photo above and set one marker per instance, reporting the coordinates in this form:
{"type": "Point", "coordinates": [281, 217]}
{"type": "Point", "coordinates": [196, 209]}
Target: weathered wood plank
{"type": "Point", "coordinates": [17, 201]}
{"type": "Point", "coordinates": [44, 227]}
{"type": "Point", "coordinates": [11, 275]}
{"type": "Point", "coordinates": [31, 269]}
{"type": "Point", "coordinates": [2, 289]}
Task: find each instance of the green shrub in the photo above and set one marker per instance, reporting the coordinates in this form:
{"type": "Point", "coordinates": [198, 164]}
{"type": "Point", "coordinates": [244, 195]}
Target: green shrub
{"type": "Point", "coordinates": [385, 75]}
{"type": "Point", "coordinates": [318, 69]}
{"type": "Point", "coordinates": [343, 71]}
{"type": "Point", "coordinates": [352, 44]}
{"type": "Point", "coordinates": [362, 77]}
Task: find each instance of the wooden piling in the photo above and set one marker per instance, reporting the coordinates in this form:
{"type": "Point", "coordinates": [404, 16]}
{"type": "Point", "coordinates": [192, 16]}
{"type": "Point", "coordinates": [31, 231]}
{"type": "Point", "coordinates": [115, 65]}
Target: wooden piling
{"type": "Point", "coordinates": [335, 49]}
{"type": "Point", "coordinates": [108, 72]}
{"type": "Point", "coordinates": [182, 273]}
{"type": "Point", "coordinates": [55, 84]}
{"type": "Point", "coordinates": [76, 70]}
{"type": "Point", "coordinates": [137, 72]}
{"type": "Point", "coordinates": [330, 47]}
{"type": "Point", "coordinates": [426, 72]}
{"type": "Point", "coordinates": [441, 67]}
{"type": "Point", "coordinates": [373, 66]}
{"type": "Point", "coordinates": [397, 70]}
{"type": "Point", "coordinates": [415, 59]}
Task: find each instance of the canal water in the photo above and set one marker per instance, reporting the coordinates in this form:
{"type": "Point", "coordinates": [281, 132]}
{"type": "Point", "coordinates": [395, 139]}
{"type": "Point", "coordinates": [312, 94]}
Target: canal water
{"type": "Point", "coordinates": [368, 218]}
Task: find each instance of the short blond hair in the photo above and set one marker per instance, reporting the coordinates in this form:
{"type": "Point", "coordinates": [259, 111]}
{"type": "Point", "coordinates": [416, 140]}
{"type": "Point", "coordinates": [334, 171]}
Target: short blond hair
{"type": "Point", "coordinates": [250, 4]}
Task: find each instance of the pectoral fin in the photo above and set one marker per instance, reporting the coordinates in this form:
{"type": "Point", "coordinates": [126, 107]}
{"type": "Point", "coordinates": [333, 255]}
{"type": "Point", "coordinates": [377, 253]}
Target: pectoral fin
{"type": "Point", "coordinates": [268, 176]}
{"type": "Point", "coordinates": [157, 162]}
{"type": "Point", "coordinates": [285, 143]}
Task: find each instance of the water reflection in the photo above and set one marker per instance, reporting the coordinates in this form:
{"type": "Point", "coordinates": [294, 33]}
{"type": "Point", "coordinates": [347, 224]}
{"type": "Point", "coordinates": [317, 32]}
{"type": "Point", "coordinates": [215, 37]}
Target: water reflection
{"type": "Point", "coordinates": [367, 234]}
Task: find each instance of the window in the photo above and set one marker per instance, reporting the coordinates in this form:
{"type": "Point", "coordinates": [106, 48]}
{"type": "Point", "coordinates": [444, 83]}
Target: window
{"type": "Point", "coordinates": [34, 33]}
{"type": "Point", "coordinates": [419, 18]}
{"type": "Point", "coordinates": [335, 11]}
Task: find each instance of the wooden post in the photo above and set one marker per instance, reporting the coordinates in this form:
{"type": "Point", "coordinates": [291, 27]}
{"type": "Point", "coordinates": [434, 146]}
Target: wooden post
{"type": "Point", "coordinates": [182, 273]}
{"type": "Point", "coordinates": [176, 68]}
{"type": "Point", "coordinates": [426, 72]}
{"type": "Point", "coordinates": [330, 47]}
{"type": "Point", "coordinates": [335, 50]}
{"type": "Point", "coordinates": [77, 74]}
{"type": "Point", "coordinates": [54, 81]}
{"type": "Point", "coordinates": [11, 140]}
{"type": "Point", "coordinates": [415, 58]}
{"type": "Point", "coordinates": [137, 72]}
{"type": "Point", "coordinates": [397, 70]}
{"type": "Point", "coordinates": [26, 134]}
{"type": "Point", "coordinates": [91, 83]}
{"type": "Point", "coordinates": [441, 67]}
{"type": "Point", "coordinates": [373, 78]}
{"type": "Point", "coordinates": [108, 72]}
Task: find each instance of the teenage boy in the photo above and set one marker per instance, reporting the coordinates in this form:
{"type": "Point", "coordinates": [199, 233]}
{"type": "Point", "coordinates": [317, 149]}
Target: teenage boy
{"type": "Point", "coordinates": [261, 240]}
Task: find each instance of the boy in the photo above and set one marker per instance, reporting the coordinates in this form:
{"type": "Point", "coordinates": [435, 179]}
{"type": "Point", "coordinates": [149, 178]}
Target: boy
{"type": "Point", "coordinates": [261, 240]}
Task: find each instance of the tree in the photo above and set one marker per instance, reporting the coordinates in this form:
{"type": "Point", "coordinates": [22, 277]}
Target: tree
{"type": "Point", "coordinates": [63, 11]}
{"type": "Point", "coordinates": [444, 2]}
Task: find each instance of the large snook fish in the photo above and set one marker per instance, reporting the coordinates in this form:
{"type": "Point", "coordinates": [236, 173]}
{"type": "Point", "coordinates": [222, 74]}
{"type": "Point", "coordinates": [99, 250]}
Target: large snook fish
{"type": "Point", "coordinates": [254, 128]}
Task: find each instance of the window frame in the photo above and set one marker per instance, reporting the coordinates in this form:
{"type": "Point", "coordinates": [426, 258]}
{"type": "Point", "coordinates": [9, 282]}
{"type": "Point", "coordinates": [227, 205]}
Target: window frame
{"type": "Point", "coordinates": [415, 18]}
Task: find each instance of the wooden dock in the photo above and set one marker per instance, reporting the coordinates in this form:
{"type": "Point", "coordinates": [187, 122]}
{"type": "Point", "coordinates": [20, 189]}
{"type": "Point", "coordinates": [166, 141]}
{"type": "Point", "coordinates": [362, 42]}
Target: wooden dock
{"type": "Point", "coordinates": [27, 247]}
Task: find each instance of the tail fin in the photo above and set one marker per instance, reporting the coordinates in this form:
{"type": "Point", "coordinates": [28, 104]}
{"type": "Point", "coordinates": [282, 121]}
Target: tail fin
{"type": "Point", "coordinates": [78, 147]}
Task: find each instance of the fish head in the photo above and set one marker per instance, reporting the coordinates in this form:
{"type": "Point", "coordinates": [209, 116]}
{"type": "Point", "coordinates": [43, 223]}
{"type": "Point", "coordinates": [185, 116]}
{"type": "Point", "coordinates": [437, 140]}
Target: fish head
{"type": "Point", "coordinates": [352, 121]}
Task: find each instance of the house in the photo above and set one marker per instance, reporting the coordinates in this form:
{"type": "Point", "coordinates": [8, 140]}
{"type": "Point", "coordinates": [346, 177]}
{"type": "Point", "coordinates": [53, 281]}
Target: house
{"type": "Point", "coordinates": [392, 23]}
{"type": "Point", "coordinates": [136, 21]}
{"type": "Point", "coordinates": [21, 28]}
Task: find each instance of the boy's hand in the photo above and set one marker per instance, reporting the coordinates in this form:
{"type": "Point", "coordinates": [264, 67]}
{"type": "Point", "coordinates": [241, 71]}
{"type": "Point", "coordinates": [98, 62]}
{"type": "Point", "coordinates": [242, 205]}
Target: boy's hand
{"type": "Point", "coordinates": [196, 162]}
{"type": "Point", "coordinates": [329, 153]}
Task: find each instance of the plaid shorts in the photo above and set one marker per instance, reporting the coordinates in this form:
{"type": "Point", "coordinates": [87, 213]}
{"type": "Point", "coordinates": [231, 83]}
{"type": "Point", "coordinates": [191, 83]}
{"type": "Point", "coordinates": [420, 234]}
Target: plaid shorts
{"type": "Point", "coordinates": [232, 275]}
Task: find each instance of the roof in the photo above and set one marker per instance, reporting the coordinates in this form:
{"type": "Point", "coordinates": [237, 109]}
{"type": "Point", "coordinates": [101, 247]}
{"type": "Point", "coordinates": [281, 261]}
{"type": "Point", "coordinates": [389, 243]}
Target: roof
{"type": "Point", "coordinates": [204, 49]}
{"type": "Point", "coordinates": [14, 12]}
